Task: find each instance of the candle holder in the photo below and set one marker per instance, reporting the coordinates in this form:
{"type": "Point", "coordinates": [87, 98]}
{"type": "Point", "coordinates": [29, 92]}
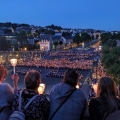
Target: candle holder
{"type": "Point", "coordinates": [41, 88]}
{"type": "Point", "coordinates": [13, 63]}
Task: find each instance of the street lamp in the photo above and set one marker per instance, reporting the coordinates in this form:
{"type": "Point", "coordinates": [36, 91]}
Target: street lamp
{"type": "Point", "coordinates": [13, 63]}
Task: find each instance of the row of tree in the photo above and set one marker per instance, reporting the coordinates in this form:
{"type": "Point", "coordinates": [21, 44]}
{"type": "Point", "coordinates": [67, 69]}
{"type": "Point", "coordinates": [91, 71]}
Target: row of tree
{"type": "Point", "coordinates": [4, 44]}
{"type": "Point", "coordinates": [13, 25]}
{"type": "Point", "coordinates": [105, 37]}
{"type": "Point", "coordinates": [111, 55]}
{"type": "Point", "coordinates": [84, 37]}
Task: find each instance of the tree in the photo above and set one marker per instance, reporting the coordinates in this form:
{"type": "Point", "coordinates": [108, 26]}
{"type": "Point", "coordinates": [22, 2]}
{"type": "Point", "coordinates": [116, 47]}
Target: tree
{"type": "Point", "coordinates": [85, 37]}
{"type": "Point", "coordinates": [111, 43]}
{"type": "Point", "coordinates": [7, 31]}
{"type": "Point", "coordinates": [4, 44]}
{"type": "Point", "coordinates": [118, 36]}
{"type": "Point", "coordinates": [54, 27]}
{"type": "Point", "coordinates": [114, 72]}
{"type": "Point", "coordinates": [25, 25]}
{"type": "Point", "coordinates": [77, 39]}
{"type": "Point", "coordinates": [14, 26]}
{"type": "Point", "coordinates": [41, 30]}
{"type": "Point", "coordinates": [111, 62]}
{"type": "Point", "coordinates": [52, 32]}
{"type": "Point", "coordinates": [92, 37]}
{"type": "Point", "coordinates": [66, 34]}
{"type": "Point", "coordinates": [105, 50]}
{"type": "Point", "coordinates": [114, 36]}
{"type": "Point", "coordinates": [7, 24]}
{"type": "Point", "coordinates": [55, 43]}
{"type": "Point", "coordinates": [60, 42]}
{"type": "Point", "coordinates": [22, 38]}
{"type": "Point", "coordinates": [37, 32]}
{"type": "Point", "coordinates": [97, 36]}
{"type": "Point", "coordinates": [105, 37]}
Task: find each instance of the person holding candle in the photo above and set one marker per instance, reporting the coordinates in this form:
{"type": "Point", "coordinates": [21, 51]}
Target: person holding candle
{"type": "Point", "coordinates": [39, 107]}
{"type": "Point", "coordinates": [6, 96]}
{"type": "Point", "coordinates": [76, 102]}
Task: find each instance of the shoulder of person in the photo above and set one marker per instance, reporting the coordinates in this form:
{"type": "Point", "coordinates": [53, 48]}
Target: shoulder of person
{"type": "Point", "coordinates": [96, 101]}
{"type": "Point", "coordinates": [80, 91]}
{"type": "Point", "coordinates": [56, 86]}
{"type": "Point", "coordinates": [6, 86]}
{"type": "Point", "coordinates": [43, 97]}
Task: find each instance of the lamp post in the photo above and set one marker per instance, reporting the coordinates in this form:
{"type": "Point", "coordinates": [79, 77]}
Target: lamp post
{"type": "Point", "coordinates": [13, 63]}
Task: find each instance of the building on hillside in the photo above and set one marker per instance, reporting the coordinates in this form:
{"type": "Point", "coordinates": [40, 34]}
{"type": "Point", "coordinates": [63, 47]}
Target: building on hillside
{"type": "Point", "coordinates": [58, 33]}
{"type": "Point", "coordinates": [97, 33]}
{"type": "Point", "coordinates": [56, 38]}
{"type": "Point", "coordinates": [31, 40]}
{"type": "Point", "coordinates": [45, 42]}
{"type": "Point", "coordinates": [2, 30]}
{"type": "Point", "coordinates": [22, 28]}
{"type": "Point", "coordinates": [11, 38]}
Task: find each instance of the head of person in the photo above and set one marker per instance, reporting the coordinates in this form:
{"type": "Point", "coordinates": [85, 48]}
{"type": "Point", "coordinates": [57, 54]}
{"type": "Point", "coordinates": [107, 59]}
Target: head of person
{"type": "Point", "coordinates": [3, 73]}
{"type": "Point", "coordinates": [71, 77]}
{"type": "Point", "coordinates": [106, 87]}
{"type": "Point", "coordinates": [32, 80]}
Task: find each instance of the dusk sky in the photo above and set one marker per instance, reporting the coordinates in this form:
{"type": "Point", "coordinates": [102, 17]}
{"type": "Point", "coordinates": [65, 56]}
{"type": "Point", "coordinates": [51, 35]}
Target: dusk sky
{"type": "Point", "coordinates": [95, 14]}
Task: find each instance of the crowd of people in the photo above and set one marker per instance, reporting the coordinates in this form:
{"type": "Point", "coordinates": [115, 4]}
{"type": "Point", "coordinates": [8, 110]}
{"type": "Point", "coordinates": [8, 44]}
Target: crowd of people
{"type": "Point", "coordinates": [81, 60]}
{"type": "Point", "coordinates": [66, 102]}
{"type": "Point", "coordinates": [72, 55]}
{"type": "Point", "coordinates": [58, 74]}
{"type": "Point", "coordinates": [59, 63]}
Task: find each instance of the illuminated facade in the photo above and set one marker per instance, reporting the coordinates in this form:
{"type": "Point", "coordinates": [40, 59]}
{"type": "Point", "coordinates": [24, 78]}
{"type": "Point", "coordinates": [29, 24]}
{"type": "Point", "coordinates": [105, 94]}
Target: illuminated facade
{"type": "Point", "coordinates": [45, 42]}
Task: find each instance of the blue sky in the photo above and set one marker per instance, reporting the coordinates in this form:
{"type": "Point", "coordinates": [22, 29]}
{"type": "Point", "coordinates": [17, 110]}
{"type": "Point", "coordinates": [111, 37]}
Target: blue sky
{"type": "Point", "coordinates": [96, 14]}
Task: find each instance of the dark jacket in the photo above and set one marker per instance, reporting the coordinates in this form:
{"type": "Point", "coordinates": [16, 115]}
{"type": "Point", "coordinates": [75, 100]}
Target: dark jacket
{"type": "Point", "coordinates": [72, 108]}
{"type": "Point", "coordinates": [38, 108]}
{"type": "Point", "coordinates": [98, 107]}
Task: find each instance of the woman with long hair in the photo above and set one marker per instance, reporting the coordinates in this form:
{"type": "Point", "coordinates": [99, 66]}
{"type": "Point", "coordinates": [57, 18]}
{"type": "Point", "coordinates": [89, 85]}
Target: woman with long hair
{"type": "Point", "coordinates": [106, 101]}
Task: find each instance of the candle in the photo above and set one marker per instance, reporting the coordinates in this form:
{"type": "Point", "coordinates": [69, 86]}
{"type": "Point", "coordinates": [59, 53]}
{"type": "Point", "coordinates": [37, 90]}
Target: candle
{"type": "Point", "coordinates": [13, 63]}
{"type": "Point", "coordinates": [95, 87]}
{"type": "Point", "coordinates": [77, 86]}
{"type": "Point", "coordinates": [41, 88]}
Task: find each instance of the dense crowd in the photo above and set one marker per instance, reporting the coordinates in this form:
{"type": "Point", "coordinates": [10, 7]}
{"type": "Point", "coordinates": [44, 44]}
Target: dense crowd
{"type": "Point", "coordinates": [65, 102]}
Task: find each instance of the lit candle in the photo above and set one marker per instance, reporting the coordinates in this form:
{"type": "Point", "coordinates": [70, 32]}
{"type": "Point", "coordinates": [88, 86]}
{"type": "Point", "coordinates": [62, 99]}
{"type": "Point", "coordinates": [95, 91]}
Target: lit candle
{"type": "Point", "coordinates": [13, 63]}
{"type": "Point", "coordinates": [41, 88]}
{"type": "Point", "coordinates": [95, 87]}
{"type": "Point", "coordinates": [77, 86]}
